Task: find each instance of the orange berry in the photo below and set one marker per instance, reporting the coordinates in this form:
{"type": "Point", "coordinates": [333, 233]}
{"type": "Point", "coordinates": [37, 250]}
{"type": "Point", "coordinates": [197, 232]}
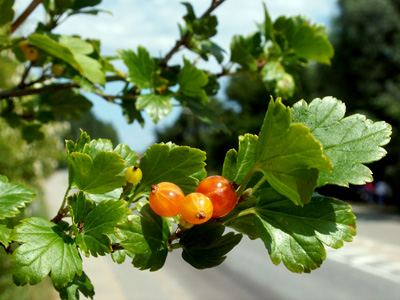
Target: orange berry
{"type": "Point", "coordinates": [196, 208]}
{"type": "Point", "coordinates": [166, 199]}
{"type": "Point", "coordinates": [221, 193]}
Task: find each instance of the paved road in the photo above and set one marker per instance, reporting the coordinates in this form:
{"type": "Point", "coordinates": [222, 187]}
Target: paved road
{"type": "Point", "coordinates": [367, 269]}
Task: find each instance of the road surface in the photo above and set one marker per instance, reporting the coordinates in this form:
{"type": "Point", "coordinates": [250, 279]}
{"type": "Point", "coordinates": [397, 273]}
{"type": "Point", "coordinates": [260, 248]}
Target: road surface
{"type": "Point", "coordinates": [366, 269]}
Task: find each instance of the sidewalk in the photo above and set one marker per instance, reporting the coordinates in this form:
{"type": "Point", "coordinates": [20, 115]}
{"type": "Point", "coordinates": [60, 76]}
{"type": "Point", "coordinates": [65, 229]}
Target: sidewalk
{"type": "Point", "coordinates": [97, 269]}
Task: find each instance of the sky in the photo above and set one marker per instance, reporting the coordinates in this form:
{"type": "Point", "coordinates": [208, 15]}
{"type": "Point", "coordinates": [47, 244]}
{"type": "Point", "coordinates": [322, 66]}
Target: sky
{"type": "Point", "coordinates": [154, 25]}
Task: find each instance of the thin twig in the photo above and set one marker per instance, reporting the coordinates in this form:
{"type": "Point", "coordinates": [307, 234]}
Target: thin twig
{"type": "Point", "coordinates": [21, 19]}
{"type": "Point", "coordinates": [19, 92]}
{"type": "Point", "coordinates": [186, 36]}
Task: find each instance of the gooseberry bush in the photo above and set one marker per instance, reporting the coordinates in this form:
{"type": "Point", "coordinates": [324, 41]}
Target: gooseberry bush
{"type": "Point", "coordinates": [142, 209]}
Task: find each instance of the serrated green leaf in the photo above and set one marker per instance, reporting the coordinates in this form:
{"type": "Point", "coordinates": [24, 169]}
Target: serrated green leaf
{"type": "Point", "coordinates": [191, 82]}
{"type": "Point", "coordinates": [113, 195]}
{"type": "Point", "coordinates": [13, 196]}
{"type": "Point", "coordinates": [129, 156]}
{"type": "Point", "coordinates": [205, 246]}
{"type": "Point", "coordinates": [96, 146]}
{"type": "Point", "coordinates": [83, 139]}
{"type": "Point", "coordinates": [79, 207]}
{"type": "Point", "coordinates": [45, 249]}
{"type": "Point", "coordinates": [98, 224]}
{"type": "Point", "coordinates": [309, 44]}
{"type": "Point", "coordinates": [295, 235]}
{"type": "Point", "coordinates": [78, 284]}
{"type": "Point", "coordinates": [5, 234]}
{"type": "Point", "coordinates": [146, 237]}
{"type": "Point", "coordinates": [288, 155]}
{"type": "Point", "coordinates": [238, 164]}
{"type": "Point", "coordinates": [245, 50]}
{"type": "Point", "coordinates": [157, 106]}
{"type": "Point", "coordinates": [97, 176]}
{"type": "Point", "coordinates": [140, 66]}
{"type": "Point", "coordinates": [175, 164]}
{"type": "Point", "coordinates": [76, 44]}
{"type": "Point", "coordinates": [348, 142]}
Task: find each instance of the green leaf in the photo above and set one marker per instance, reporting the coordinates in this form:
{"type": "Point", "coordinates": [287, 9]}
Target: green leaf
{"type": "Point", "coordinates": [113, 195]}
{"type": "Point", "coordinates": [205, 246]}
{"type": "Point", "coordinates": [98, 224]}
{"type": "Point", "coordinates": [5, 234]}
{"type": "Point", "coordinates": [83, 139]}
{"type": "Point", "coordinates": [129, 156]}
{"type": "Point", "coordinates": [176, 164]}
{"type": "Point", "coordinates": [13, 196]}
{"type": "Point", "coordinates": [99, 175]}
{"type": "Point", "coordinates": [295, 235]}
{"type": "Point", "coordinates": [308, 43]}
{"type": "Point", "coordinates": [130, 112]}
{"type": "Point", "coordinates": [191, 82]}
{"type": "Point", "coordinates": [238, 164]}
{"type": "Point", "coordinates": [92, 68]}
{"type": "Point", "coordinates": [79, 207]}
{"type": "Point", "coordinates": [146, 237]}
{"type": "Point", "coordinates": [67, 104]}
{"type": "Point", "coordinates": [157, 106]}
{"type": "Point", "coordinates": [288, 155]}
{"type": "Point", "coordinates": [275, 78]}
{"type": "Point", "coordinates": [348, 142]}
{"type": "Point", "coordinates": [140, 66]}
{"type": "Point", "coordinates": [45, 249]}
{"type": "Point", "coordinates": [78, 284]}
{"type": "Point", "coordinates": [96, 146]}
{"type": "Point", "coordinates": [245, 50]}
{"type": "Point", "coordinates": [78, 4]}
{"type": "Point", "coordinates": [55, 49]}
{"type": "Point", "coordinates": [6, 12]}
{"type": "Point", "coordinates": [74, 56]}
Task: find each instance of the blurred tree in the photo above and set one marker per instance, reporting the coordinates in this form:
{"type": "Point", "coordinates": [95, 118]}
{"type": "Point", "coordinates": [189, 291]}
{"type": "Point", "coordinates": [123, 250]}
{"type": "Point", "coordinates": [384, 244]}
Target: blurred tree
{"type": "Point", "coordinates": [242, 113]}
{"type": "Point", "coordinates": [94, 127]}
{"type": "Point", "coordinates": [365, 71]}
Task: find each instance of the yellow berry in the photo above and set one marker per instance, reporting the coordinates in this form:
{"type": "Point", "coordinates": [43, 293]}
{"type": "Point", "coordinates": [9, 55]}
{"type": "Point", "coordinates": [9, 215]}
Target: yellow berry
{"type": "Point", "coordinates": [133, 174]}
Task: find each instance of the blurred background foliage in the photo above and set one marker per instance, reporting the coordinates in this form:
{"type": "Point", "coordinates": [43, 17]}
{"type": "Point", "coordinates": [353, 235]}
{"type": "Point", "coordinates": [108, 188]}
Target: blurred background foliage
{"type": "Point", "coordinates": [365, 74]}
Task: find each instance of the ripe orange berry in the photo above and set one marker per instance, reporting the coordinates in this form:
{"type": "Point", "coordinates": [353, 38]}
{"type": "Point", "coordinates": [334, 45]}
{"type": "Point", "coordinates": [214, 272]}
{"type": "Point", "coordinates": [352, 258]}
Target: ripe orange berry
{"type": "Point", "coordinates": [166, 199]}
{"type": "Point", "coordinates": [133, 174]}
{"type": "Point", "coordinates": [221, 193]}
{"type": "Point", "coordinates": [196, 208]}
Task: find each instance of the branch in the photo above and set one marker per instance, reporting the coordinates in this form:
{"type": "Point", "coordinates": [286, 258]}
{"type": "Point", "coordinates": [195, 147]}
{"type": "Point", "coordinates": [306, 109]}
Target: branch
{"type": "Point", "coordinates": [186, 36]}
{"type": "Point", "coordinates": [25, 14]}
{"type": "Point", "coordinates": [19, 92]}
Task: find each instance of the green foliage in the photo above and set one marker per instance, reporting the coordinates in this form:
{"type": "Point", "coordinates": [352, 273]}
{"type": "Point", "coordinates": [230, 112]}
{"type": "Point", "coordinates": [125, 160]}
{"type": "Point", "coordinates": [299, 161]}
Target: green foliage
{"type": "Point", "coordinates": [295, 235]}
{"type": "Point", "coordinates": [13, 196]}
{"type": "Point", "coordinates": [348, 142]}
{"type": "Point", "coordinates": [276, 172]}
{"type": "Point", "coordinates": [79, 284]}
{"type": "Point", "coordinates": [46, 248]}
{"type": "Point", "coordinates": [99, 222]}
{"type": "Point", "coordinates": [145, 237]}
{"type": "Point", "coordinates": [168, 162]}
{"type": "Point", "coordinates": [206, 246]}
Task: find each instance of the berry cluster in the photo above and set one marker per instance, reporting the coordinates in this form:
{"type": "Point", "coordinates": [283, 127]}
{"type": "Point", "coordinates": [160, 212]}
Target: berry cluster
{"type": "Point", "coordinates": [214, 197]}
